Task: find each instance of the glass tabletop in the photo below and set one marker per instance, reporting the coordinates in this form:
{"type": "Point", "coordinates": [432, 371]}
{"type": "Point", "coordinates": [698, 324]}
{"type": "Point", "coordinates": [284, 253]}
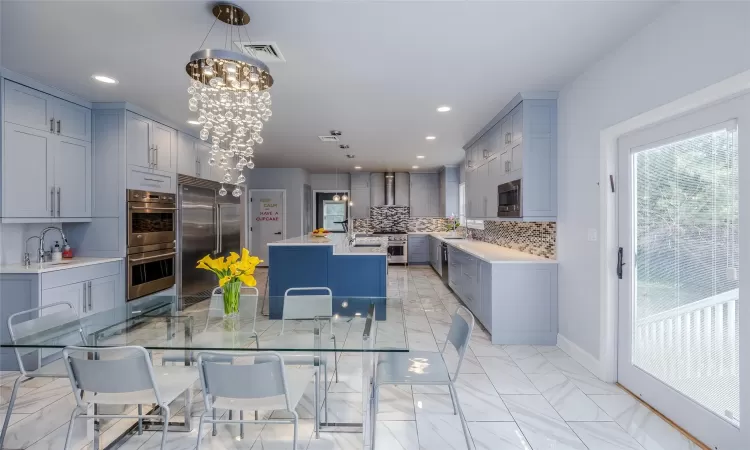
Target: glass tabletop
{"type": "Point", "coordinates": [359, 324]}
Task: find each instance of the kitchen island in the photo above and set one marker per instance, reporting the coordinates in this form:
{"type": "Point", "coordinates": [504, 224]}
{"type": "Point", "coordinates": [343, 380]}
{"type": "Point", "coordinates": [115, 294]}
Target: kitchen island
{"type": "Point", "coordinates": [349, 270]}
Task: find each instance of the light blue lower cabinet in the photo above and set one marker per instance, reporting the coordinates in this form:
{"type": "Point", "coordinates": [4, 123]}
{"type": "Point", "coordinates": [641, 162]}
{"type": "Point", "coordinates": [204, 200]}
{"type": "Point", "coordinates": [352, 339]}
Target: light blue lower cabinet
{"type": "Point", "coordinates": [418, 251]}
{"type": "Point", "coordinates": [515, 302]}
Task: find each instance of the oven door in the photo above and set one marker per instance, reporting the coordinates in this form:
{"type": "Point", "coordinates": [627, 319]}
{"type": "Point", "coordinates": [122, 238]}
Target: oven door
{"type": "Point", "coordinates": [150, 271]}
{"type": "Point", "coordinates": [397, 252]}
{"type": "Point", "coordinates": [509, 199]}
{"type": "Point", "coordinates": [151, 223]}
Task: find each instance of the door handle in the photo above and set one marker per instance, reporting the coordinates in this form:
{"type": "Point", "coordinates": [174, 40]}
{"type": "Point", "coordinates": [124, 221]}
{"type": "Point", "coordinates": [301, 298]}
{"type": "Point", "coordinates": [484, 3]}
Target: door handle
{"type": "Point", "coordinates": [58, 202]}
{"type": "Point", "coordinates": [146, 258]}
{"type": "Point", "coordinates": [52, 125]}
{"type": "Point", "coordinates": [216, 227]}
{"type": "Point", "coordinates": [278, 232]}
{"type": "Point", "coordinates": [153, 208]}
{"type": "Point", "coordinates": [58, 127]}
{"type": "Point", "coordinates": [91, 302]}
{"type": "Point", "coordinates": [619, 263]}
{"type": "Point", "coordinates": [52, 201]}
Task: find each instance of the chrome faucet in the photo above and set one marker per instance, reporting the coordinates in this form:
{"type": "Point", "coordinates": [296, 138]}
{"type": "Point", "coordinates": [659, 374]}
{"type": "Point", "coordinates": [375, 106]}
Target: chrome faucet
{"type": "Point", "coordinates": [41, 240]}
{"type": "Point", "coordinates": [27, 257]}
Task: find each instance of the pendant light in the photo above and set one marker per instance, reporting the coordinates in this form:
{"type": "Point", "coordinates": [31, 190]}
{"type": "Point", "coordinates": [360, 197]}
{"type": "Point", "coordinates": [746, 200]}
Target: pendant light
{"type": "Point", "coordinates": [336, 196]}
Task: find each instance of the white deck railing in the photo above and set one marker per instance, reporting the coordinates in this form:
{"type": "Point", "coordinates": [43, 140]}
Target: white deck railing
{"type": "Point", "coordinates": [698, 340]}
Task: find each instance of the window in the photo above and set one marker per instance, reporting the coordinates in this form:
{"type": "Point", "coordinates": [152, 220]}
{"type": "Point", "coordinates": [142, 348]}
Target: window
{"type": "Point", "coordinates": [462, 204]}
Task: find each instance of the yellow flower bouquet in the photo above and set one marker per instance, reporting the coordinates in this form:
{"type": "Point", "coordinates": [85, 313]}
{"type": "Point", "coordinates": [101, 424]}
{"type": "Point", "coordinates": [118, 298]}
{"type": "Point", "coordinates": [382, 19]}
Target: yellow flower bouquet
{"type": "Point", "coordinates": [232, 272]}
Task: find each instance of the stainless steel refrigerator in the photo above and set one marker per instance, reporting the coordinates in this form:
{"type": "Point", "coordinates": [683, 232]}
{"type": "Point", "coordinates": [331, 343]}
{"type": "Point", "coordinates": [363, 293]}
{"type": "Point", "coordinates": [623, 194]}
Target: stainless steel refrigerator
{"type": "Point", "coordinates": [209, 224]}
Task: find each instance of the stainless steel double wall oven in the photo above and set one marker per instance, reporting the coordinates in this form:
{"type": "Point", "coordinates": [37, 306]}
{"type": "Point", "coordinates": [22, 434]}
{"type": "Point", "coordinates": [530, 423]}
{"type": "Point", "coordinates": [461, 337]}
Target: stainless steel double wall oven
{"type": "Point", "coordinates": [152, 231]}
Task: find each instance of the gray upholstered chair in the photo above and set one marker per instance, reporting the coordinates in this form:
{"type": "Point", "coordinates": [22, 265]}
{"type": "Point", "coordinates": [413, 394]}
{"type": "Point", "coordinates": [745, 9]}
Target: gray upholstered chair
{"type": "Point", "coordinates": [124, 376]}
{"type": "Point", "coordinates": [61, 315]}
{"type": "Point", "coordinates": [273, 387]}
{"type": "Point", "coordinates": [426, 368]}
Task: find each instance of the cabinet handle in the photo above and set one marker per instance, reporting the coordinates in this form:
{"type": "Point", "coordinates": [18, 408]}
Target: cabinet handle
{"type": "Point", "coordinates": [52, 125]}
{"type": "Point", "coordinates": [58, 127]}
{"type": "Point", "coordinates": [91, 302]}
{"type": "Point", "coordinates": [156, 156]}
{"type": "Point", "coordinates": [158, 181]}
{"type": "Point", "coordinates": [58, 202]}
{"type": "Point", "coordinates": [84, 297]}
{"type": "Point", "coordinates": [52, 201]}
{"type": "Point", "coordinates": [197, 168]}
{"type": "Point", "coordinates": [486, 153]}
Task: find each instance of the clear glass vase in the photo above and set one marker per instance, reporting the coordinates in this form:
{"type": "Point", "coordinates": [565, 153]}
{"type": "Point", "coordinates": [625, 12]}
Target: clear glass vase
{"type": "Point", "coordinates": [232, 299]}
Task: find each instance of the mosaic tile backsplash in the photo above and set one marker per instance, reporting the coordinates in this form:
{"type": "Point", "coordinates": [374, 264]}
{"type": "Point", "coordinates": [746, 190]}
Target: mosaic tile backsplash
{"type": "Point", "coordinates": [537, 238]}
{"type": "Point", "coordinates": [396, 218]}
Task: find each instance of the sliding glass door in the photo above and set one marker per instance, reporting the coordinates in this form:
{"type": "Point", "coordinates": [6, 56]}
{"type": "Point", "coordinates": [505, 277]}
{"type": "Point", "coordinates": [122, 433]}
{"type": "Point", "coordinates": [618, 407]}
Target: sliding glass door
{"type": "Point", "coordinates": [679, 300]}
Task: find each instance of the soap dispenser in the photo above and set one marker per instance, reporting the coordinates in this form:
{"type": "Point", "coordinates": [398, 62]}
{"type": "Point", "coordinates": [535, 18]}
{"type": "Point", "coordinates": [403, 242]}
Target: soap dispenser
{"type": "Point", "coordinates": [56, 252]}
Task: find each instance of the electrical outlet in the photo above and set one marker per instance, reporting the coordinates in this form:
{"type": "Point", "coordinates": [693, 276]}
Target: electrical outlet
{"type": "Point", "coordinates": [592, 235]}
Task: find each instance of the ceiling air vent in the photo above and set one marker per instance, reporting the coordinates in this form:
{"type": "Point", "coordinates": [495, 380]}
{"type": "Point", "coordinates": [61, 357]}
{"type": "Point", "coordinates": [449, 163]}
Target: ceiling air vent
{"type": "Point", "coordinates": [267, 52]}
{"type": "Point", "coordinates": [328, 138]}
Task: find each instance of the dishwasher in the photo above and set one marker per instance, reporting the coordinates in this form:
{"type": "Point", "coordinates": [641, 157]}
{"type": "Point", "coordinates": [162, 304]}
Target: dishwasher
{"type": "Point", "coordinates": [444, 263]}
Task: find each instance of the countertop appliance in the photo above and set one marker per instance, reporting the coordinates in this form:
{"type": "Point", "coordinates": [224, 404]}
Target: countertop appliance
{"type": "Point", "coordinates": [509, 198]}
{"type": "Point", "coordinates": [444, 263]}
{"type": "Point", "coordinates": [151, 228]}
{"type": "Point", "coordinates": [210, 224]}
{"type": "Point", "coordinates": [397, 245]}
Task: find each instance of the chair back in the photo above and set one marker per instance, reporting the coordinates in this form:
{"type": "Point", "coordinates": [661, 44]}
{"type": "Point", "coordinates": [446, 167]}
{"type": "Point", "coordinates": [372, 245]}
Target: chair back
{"type": "Point", "coordinates": [309, 305]}
{"type": "Point", "coordinates": [114, 370]}
{"type": "Point", "coordinates": [263, 378]}
{"type": "Point", "coordinates": [459, 335]}
{"type": "Point", "coordinates": [56, 323]}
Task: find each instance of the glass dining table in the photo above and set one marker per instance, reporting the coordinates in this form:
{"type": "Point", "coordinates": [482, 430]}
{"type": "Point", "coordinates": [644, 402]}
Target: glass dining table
{"type": "Point", "coordinates": [358, 331]}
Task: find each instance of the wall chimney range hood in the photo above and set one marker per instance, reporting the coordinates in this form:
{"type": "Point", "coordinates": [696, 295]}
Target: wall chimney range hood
{"type": "Point", "coordinates": [390, 189]}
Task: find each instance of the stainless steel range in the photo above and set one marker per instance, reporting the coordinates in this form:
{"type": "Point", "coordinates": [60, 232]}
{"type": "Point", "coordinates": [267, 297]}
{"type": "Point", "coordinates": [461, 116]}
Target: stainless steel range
{"type": "Point", "coordinates": [397, 246]}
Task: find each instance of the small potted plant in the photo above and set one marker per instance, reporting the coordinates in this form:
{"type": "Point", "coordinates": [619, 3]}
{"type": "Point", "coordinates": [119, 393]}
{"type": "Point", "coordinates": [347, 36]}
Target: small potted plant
{"type": "Point", "coordinates": [232, 272]}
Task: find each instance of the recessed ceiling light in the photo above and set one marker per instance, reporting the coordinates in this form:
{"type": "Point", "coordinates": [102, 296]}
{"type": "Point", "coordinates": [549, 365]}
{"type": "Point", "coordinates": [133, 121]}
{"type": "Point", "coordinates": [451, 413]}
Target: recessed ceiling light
{"type": "Point", "coordinates": [430, 138]}
{"type": "Point", "coordinates": [357, 167]}
{"type": "Point", "coordinates": [420, 156]}
{"type": "Point", "coordinates": [415, 167]}
{"type": "Point", "coordinates": [104, 79]}
{"type": "Point", "coordinates": [193, 122]}
{"type": "Point", "coordinates": [444, 108]}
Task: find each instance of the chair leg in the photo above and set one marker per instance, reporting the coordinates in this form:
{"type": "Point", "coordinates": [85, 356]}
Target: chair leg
{"type": "Point", "coordinates": [200, 430]}
{"type": "Point", "coordinates": [165, 410]}
{"type": "Point", "coordinates": [374, 414]}
{"type": "Point", "coordinates": [140, 420]}
{"type": "Point", "coordinates": [335, 360]}
{"type": "Point", "coordinates": [469, 444]}
{"type": "Point", "coordinates": [316, 406]}
{"type": "Point", "coordinates": [9, 411]}
{"type": "Point", "coordinates": [213, 426]}
{"type": "Point", "coordinates": [242, 424]}
{"type": "Point", "coordinates": [296, 423]}
{"type": "Point", "coordinates": [69, 435]}
{"type": "Point", "coordinates": [453, 399]}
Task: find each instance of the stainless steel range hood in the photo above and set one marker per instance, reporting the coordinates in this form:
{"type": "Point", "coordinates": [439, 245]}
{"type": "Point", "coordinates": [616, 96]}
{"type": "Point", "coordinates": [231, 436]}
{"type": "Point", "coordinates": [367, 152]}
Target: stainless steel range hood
{"type": "Point", "coordinates": [390, 189]}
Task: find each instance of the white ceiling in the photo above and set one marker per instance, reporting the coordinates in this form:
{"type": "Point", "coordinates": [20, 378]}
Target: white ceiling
{"type": "Point", "coordinates": [376, 71]}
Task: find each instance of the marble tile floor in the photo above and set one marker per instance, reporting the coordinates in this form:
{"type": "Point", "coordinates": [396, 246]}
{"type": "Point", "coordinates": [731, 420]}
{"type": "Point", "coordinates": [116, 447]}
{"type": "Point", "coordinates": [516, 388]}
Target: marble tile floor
{"type": "Point", "coordinates": [513, 397]}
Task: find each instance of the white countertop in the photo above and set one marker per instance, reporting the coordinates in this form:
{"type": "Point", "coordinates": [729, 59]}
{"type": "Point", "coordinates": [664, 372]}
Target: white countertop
{"type": "Point", "coordinates": [340, 244]}
{"type": "Point", "coordinates": [491, 253]}
{"type": "Point", "coordinates": [52, 266]}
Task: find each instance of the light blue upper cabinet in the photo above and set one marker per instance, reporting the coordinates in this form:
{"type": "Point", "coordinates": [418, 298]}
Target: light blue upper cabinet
{"type": "Point", "coordinates": [424, 194]}
{"type": "Point", "coordinates": [402, 188]}
{"type": "Point", "coordinates": [520, 143]}
{"type": "Point", "coordinates": [73, 121]}
{"type": "Point", "coordinates": [138, 141]}
{"type": "Point", "coordinates": [165, 147]}
{"type": "Point", "coordinates": [187, 158]}
{"type": "Point", "coordinates": [46, 150]}
{"type": "Point", "coordinates": [73, 179]}
{"type": "Point", "coordinates": [28, 173]}
{"type": "Point", "coordinates": [360, 195]}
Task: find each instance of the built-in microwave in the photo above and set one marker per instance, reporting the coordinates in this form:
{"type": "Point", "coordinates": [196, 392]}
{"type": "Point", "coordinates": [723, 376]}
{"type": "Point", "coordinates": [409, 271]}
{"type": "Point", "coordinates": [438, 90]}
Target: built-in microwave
{"type": "Point", "coordinates": [509, 199]}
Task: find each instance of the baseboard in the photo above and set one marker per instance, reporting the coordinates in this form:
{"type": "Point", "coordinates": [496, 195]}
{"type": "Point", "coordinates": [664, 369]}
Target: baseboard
{"type": "Point", "coordinates": [581, 356]}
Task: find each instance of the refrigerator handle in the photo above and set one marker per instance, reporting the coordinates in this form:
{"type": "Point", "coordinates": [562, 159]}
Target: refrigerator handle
{"type": "Point", "coordinates": [218, 229]}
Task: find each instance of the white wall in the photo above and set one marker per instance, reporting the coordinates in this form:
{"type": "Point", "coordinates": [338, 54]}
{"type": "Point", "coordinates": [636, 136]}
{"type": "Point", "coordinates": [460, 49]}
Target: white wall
{"type": "Point", "coordinates": [327, 181]}
{"type": "Point", "coordinates": [690, 46]}
{"type": "Point", "coordinates": [290, 179]}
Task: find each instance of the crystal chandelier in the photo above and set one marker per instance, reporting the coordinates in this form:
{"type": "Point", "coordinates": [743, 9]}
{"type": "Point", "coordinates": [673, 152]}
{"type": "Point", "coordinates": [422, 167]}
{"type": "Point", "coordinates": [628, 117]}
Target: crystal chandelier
{"type": "Point", "coordinates": [229, 91]}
